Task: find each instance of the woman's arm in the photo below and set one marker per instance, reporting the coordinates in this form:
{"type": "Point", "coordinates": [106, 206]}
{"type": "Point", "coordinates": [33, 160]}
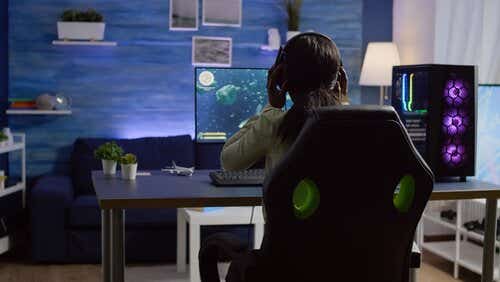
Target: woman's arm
{"type": "Point", "coordinates": [252, 142]}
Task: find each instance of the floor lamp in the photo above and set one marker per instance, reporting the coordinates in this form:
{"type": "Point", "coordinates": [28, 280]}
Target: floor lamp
{"type": "Point", "coordinates": [379, 59]}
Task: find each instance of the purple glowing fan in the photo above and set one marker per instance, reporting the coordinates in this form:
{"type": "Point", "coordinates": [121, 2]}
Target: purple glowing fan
{"type": "Point", "coordinates": [453, 153]}
{"type": "Point", "coordinates": [455, 122]}
{"type": "Point", "coordinates": [456, 92]}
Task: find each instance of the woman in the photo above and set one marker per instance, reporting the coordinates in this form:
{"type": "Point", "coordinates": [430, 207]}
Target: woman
{"type": "Point", "coordinates": [310, 69]}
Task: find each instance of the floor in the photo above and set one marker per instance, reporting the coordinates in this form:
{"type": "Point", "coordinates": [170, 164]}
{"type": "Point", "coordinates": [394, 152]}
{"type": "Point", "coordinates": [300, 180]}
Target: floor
{"type": "Point", "coordinates": [433, 269]}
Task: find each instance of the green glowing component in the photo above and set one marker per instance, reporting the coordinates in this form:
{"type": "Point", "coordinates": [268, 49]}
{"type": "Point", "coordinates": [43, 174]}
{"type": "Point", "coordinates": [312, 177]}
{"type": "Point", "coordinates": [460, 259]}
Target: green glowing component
{"type": "Point", "coordinates": [305, 199]}
{"type": "Point", "coordinates": [404, 199]}
{"type": "Point", "coordinates": [410, 101]}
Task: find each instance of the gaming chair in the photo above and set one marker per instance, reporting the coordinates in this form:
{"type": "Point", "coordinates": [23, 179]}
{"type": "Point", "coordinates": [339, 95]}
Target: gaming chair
{"type": "Point", "coordinates": [344, 202]}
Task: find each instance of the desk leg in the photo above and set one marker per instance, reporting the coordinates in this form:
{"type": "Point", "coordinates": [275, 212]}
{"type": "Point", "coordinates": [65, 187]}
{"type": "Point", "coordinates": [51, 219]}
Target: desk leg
{"type": "Point", "coordinates": [194, 249]}
{"type": "Point", "coordinates": [106, 245]}
{"type": "Point", "coordinates": [181, 242]}
{"type": "Point", "coordinates": [489, 240]}
{"type": "Point", "coordinates": [118, 240]}
{"type": "Point", "coordinates": [258, 234]}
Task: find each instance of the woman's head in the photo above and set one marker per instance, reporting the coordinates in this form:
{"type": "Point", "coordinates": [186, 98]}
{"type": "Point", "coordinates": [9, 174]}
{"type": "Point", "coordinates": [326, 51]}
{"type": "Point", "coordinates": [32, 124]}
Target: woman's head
{"type": "Point", "coordinates": [314, 77]}
{"type": "Point", "coordinates": [312, 62]}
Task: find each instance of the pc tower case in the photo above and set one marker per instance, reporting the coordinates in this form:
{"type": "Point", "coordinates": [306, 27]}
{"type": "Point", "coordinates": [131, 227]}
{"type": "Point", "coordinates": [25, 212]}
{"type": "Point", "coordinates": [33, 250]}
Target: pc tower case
{"type": "Point", "coordinates": [437, 104]}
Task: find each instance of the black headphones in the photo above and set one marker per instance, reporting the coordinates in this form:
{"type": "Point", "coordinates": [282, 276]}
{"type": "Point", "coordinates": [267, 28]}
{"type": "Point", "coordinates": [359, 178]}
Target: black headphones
{"type": "Point", "coordinates": [281, 57]}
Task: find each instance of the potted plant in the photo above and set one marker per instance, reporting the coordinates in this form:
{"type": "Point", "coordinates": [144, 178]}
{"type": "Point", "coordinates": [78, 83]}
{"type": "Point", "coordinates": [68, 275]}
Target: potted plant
{"type": "Point", "coordinates": [4, 139]}
{"type": "Point", "coordinates": [129, 166]}
{"type": "Point", "coordinates": [109, 153]}
{"type": "Point", "coordinates": [81, 25]}
{"type": "Point", "coordinates": [293, 11]}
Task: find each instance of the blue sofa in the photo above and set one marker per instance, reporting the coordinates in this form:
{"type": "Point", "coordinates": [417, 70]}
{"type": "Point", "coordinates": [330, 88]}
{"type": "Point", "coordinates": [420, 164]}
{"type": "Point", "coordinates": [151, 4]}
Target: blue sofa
{"type": "Point", "coordinates": [65, 216]}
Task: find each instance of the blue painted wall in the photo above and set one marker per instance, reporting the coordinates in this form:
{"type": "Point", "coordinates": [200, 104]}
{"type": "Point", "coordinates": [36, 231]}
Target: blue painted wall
{"type": "Point", "coordinates": [377, 26]}
{"type": "Point", "coordinates": [143, 87]}
{"type": "Point", "coordinates": [4, 71]}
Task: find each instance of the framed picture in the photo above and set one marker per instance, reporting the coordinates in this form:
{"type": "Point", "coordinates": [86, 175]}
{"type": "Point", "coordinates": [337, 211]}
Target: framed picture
{"type": "Point", "coordinates": [212, 51]}
{"type": "Point", "coordinates": [222, 13]}
{"type": "Point", "coordinates": [183, 15]}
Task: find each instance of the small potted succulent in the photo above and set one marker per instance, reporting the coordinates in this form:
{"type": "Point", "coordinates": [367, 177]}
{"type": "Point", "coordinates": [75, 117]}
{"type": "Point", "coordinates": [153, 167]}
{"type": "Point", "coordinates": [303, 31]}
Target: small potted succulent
{"type": "Point", "coordinates": [128, 164]}
{"type": "Point", "coordinates": [109, 153]}
{"type": "Point", "coordinates": [81, 25]}
{"type": "Point", "coordinates": [293, 11]}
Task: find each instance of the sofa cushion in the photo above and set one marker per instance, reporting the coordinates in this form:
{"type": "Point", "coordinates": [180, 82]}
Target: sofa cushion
{"type": "Point", "coordinates": [85, 212]}
{"type": "Point", "coordinates": [152, 153]}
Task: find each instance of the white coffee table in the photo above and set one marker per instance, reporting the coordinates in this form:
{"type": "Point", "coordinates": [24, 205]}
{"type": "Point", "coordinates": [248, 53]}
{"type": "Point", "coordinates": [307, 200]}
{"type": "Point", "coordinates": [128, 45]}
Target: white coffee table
{"type": "Point", "coordinates": [222, 216]}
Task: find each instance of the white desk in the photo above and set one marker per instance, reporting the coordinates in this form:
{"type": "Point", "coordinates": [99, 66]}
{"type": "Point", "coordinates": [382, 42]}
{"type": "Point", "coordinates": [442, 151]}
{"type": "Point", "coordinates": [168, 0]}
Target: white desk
{"type": "Point", "coordinates": [223, 216]}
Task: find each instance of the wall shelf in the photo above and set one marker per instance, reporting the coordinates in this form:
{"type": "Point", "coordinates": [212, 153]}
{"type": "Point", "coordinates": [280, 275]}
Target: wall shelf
{"type": "Point", "coordinates": [12, 189]}
{"type": "Point", "coordinates": [19, 187]}
{"type": "Point", "coordinates": [10, 148]}
{"type": "Point", "coordinates": [461, 251]}
{"type": "Point", "coordinates": [38, 112]}
{"type": "Point", "coordinates": [470, 254]}
{"type": "Point", "coordinates": [85, 43]}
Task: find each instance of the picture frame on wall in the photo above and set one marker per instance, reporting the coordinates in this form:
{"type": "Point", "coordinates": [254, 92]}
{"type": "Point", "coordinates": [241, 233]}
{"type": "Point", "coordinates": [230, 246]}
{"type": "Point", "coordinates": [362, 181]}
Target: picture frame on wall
{"type": "Point", "coordinates": [222, 13]}
{"type": "Point", "coordinates": [212, 51]}
{"type": "Point", "coordinates": [183, 15]}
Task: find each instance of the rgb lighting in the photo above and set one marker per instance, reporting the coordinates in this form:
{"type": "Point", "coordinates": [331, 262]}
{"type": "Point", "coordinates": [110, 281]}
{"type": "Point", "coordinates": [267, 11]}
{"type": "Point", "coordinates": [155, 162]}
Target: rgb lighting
{"type": "Point", "coordinates": [454, 153]}
{"type": "Point", "coordinates": [407, 92]}
{"type": "Point", "coordinates": [403, 91]}
{"type": "Point", "coordinates": [410, 101]}
{"type": "Point", "coordinates": [455, 93]}
{"type": "Point", "coordinates": [455, 122]}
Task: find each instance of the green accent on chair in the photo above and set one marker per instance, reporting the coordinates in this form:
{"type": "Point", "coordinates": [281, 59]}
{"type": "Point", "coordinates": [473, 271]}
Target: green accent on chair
{"type": "Point", "coordinates": [305, 199]}
{"type": "Point", "coordinates": [404, 199]}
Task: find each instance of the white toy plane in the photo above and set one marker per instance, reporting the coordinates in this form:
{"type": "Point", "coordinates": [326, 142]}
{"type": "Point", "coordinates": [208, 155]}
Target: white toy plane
{"type": "Point", "coordinates": [179, 170]}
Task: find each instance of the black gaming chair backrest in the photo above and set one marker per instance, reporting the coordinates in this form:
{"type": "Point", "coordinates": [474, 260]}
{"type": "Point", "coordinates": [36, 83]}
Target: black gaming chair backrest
{"type": "Point", "coordinates": [355, 156]}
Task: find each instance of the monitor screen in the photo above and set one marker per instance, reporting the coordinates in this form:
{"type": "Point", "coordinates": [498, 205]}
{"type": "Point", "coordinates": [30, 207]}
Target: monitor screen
{"type": "Point", "coordinates": [488, 133]}
{"type": "Point", "coordinates": [225, 98]}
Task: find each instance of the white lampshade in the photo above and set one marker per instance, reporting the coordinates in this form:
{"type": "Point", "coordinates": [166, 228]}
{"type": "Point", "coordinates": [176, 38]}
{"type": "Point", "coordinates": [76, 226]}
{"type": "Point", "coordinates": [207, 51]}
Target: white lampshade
{"type": "Point", "coordinates": [379, 59]}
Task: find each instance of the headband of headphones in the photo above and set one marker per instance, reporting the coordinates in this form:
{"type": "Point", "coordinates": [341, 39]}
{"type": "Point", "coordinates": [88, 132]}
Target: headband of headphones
{"type": "Point", "coordinates": [282, 52]}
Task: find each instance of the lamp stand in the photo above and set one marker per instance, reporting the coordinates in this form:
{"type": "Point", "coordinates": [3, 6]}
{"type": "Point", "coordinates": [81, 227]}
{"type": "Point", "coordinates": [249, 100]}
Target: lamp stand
{"type": "Point", "coordinates": [383, 95]}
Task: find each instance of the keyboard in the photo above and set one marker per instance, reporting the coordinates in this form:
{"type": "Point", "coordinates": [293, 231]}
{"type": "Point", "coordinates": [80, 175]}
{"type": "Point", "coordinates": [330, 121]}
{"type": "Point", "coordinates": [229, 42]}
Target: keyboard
{"type": "Point", "coordinates": [249, 177]}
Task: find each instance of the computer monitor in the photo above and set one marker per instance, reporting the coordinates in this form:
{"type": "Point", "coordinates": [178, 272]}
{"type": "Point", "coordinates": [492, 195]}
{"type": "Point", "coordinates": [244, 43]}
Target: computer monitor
{"type": "Point", "coordinates": [225, 98]}
{"type": "Point", "coordinates": [488, 133]}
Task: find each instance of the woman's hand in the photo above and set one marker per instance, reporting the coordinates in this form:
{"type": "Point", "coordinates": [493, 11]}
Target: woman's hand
{"type": "Point", "coordinates": [276, 93]}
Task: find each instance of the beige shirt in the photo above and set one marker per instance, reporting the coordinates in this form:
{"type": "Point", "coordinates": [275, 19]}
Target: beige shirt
{"type": "Point", "coordinates": [256, 139]}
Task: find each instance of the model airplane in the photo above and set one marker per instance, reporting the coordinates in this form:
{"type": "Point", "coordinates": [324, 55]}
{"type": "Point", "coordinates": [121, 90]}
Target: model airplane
{"type": "Point", "coordinates": [179, 170]}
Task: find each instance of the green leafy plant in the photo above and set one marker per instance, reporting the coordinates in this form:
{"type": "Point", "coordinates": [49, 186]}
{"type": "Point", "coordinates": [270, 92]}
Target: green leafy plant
{"type": "Point", "coordinates": [128, 159]}
{"type": "Point", "coordinates": [3, 137]}
{"type": "Point", "coordinates": [90, 15]}
{"type": "Point", "coordinates": [293, 11]}
{"type": "Point", "coordinates": [109, 151]}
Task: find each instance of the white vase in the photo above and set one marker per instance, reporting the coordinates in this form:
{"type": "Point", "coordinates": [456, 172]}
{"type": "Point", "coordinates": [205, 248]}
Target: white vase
{"type": "Point", "coordinates": [291, 33]}
{"type": "Point", "coordinates": [129, 171]}
{"type": "Point", "coordinates": [80, 30]}
{"type": "Point", "coordinates": [108, 167]}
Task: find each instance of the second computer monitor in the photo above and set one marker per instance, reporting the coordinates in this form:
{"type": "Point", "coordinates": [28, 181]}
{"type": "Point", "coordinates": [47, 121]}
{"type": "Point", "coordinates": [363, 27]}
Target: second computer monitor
{"type": "Point", "coordinates": [225, 98]}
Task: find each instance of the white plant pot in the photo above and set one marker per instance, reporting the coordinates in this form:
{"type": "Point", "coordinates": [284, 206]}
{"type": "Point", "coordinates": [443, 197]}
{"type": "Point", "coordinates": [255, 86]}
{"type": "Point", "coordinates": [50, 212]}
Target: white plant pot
{"type": "Point", "coordinates": [129, 171]}
{"type": "Point", "coordinates": [291, 33]}
{"type": "Point", "coordinates": [108, 167]}
{"type": "Point", "coordinates": [80, 30]}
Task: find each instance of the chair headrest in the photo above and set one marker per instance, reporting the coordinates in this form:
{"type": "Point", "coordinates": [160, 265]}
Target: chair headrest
{"type": "Point", "coordinates": [356, 112]}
